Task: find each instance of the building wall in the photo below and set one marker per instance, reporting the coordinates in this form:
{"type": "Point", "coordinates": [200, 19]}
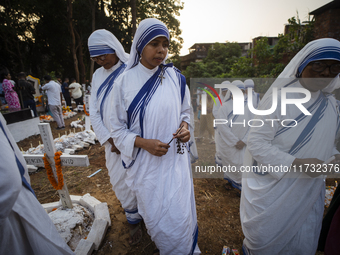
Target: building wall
{"type": "Point", "coordinates": [327, 24]}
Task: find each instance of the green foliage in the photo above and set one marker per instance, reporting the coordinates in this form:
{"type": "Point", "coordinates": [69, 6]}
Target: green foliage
{"type": "Point", "coordinates": [242, 68]}
{"type": "Point", "coordinates": [35, 35]}
{"type": "Point", "coordinates": [299, 34]}
{"type": "Point", "coordinates": [224, 61]}
{"type": "Point", "coordinates": [219, 61]}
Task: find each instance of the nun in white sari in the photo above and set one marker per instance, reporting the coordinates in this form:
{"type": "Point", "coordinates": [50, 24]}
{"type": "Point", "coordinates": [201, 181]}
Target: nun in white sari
{"type": "Point", "coordinates": [281, 212]}
{"type": "Point", "coordinates": [233, 138]}
{"type": "Point", "coordinates": [25, 227]}
{"type": "Point", "coordinates": [151, 103]}
{"type": "Point", "coordinates": [107, 51]}
{"type": "Point", "coordinates": [249, 83]}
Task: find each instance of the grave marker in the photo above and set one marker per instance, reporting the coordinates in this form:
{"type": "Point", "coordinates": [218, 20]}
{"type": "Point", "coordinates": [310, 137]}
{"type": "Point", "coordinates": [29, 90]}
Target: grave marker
{"type": "Point", "coordinates": [66, 160]}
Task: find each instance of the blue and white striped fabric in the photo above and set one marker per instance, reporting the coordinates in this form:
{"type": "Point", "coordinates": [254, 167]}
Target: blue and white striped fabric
{"type": "Point", "coordinates": [20, 166]}
{"type": "Point", "coordinates": [103, 42]}
{"type": "Point", "coordinates": [272, 145]}
{"type": "Point", "coordinates": [106, 87]}
{"type": "Point", "coordinates": [148, 30]}
{"type": "Point", "coordinates": [97, 50]}
{"type": "Point", "coordinates": [327, 52]}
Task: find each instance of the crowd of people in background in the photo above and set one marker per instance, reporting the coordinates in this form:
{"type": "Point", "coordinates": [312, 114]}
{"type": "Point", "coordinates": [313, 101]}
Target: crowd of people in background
{"type": "Point", "coordinates": [15, 96]}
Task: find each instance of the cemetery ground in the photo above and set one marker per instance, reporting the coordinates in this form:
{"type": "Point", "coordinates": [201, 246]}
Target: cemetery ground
{"type": "Point", "coordinates": [217, 208]}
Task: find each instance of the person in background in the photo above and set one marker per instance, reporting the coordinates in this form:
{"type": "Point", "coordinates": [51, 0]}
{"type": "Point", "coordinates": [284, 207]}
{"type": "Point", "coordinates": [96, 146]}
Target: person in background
{"type": "Point", "coordinates": [76, 91]}
{"type": "Point", "coordinates": [28, 92]}
{"type": "Point", "coordinates": [66, 93]}
{"type": "Point", "coordinates": [54, 96]}
{"type": "Point", "coordinates": [11, 96]}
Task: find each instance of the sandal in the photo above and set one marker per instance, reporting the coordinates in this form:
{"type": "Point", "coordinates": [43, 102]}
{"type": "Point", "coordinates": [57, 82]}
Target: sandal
{"type": "Point", "coordinates": [134, 231]}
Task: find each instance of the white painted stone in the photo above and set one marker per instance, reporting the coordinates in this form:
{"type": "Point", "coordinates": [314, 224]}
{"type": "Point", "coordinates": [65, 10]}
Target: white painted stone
{"type": "Point", "coordinates": [69, 151]}
{"type": "Point", "coordinates": [88, 201]}
{"type": "Point", "coordinates": [99, 227]}
{"type": "Point", "coordinates": [84, 247]}
{"type": "Point", "coordinates": [31, 168]}
{"type": "Point", "coordinates": [98, 232]}
{"type": "Point", "coordinates": [101, 211]}
{"type": "Point", "coordinates": [75, 199]}
{"type": "Point", "coordinates": [19, 133]}
{"type": "Point", "coordinates": [49, 206]}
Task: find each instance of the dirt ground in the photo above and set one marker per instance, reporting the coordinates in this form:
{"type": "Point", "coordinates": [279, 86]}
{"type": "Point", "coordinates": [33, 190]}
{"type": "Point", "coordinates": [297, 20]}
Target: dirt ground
{"type": "Point", "coordinates": [217, 208]}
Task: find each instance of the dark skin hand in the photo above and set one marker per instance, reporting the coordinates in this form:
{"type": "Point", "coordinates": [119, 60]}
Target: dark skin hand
{"type": "Point", "coordinates": [158, 148]}
{"type": "Point", "coordinates": [239, 145]}
{"type": "Point", "coordinates": [113, 148]}
{"type": "Point", "coordinates": [184, 134]}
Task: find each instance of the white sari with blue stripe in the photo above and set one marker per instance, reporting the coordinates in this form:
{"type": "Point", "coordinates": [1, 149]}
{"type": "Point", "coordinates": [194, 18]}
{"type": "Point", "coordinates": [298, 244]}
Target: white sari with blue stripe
{"type": "Point", "coordinates": [281, 213]}
{"type": "Point", "coordinates": [142, 106]}
{"type": "Point", "coordinates": [229, 136]}
{"type": "Point", "coordinates": [102, 88]}
{"type": "Point", "coordinates": [25, 227]}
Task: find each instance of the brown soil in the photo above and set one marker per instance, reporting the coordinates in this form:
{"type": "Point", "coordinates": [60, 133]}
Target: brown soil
{"type": "Point", "coordinates": [217, 208]}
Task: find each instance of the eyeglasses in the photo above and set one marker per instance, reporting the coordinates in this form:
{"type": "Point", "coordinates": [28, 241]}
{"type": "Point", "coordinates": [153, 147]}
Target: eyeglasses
{"type": "Point", "coordinates": [101, 57]}
{"type": "Point", "coordinates": [320, 67]}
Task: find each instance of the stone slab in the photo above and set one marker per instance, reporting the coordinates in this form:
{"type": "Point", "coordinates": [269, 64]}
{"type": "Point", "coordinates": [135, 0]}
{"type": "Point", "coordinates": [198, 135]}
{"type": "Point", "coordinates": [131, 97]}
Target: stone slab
{"type": "Point", "coordinates": [101, 211]}
{"type": "Point", "coordinates": [23, 129]}
{"type": "Point", "coordinates": [84, 247]}
{"type": "Point", "coordinates": [98, 232]}
{"type": "Point", "coordinates": [49, 206]}
{"type": "Point", "coordinates": [89, 202]}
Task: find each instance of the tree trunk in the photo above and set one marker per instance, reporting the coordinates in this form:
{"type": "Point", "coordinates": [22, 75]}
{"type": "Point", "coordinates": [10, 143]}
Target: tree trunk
{"type": "Point", "coordinates": [73, 41]}
{"type": "Point", "coordinates": [80, 58]}
{"type": "Point", "coordinates": [93, 11]}
{"type": "Point", "coordinates": [134, 16]}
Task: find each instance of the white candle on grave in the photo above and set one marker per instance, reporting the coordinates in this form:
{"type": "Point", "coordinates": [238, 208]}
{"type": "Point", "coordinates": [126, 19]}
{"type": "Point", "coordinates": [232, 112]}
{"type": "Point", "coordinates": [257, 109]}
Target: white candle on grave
{"type": "Point", "coordinates": [31, 145]}
{"type": "Point", "coordinates": [74, 130]}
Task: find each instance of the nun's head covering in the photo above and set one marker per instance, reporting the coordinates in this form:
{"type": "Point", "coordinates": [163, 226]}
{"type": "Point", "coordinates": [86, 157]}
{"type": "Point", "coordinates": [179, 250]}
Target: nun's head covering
{"type": "Point", "coordinates": [225, 82]}
{"type": "Point", "coordinates": [321, 49]}
{"type": "Point", "coordinates": [147, 30]}
{"type": "Point", "coordinates": [103, 42]}
{"type": "Point", "coordinates": [239, 84]}
{"type": "Point", "coordinates": [249, 83]}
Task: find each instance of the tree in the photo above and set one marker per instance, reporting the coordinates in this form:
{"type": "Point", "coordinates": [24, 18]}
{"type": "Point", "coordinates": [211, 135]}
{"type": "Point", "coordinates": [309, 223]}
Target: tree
{"type": "Point", "coordinates": [298, 35]}
{"type": "Point", "coordinates": [219, 61]}
{"type": "Point", "coordinates": [51, 35]}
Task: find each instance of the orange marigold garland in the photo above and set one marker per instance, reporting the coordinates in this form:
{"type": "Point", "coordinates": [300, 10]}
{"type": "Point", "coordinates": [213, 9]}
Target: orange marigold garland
{"type": "Point", "coordinates": [87, 114]}
{"type": "Point", "coordinates": [57, 160]}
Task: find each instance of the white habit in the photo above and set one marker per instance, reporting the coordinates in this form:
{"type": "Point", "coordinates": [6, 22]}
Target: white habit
{"type": "Point", "coordinates": [25, 227]}
{"type": "Point", "coordinates": [162, 185]}
{"type": "Point", "coordinates": [102, 42]}
{"type": "Point", "coordinates": [281, 213]}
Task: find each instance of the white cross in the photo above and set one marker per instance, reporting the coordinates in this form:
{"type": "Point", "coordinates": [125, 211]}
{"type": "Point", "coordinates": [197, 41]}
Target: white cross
{"type": "Point", "coordinates": [66, 160]}
{"type": "Point", "coordinates": [87, 107]}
